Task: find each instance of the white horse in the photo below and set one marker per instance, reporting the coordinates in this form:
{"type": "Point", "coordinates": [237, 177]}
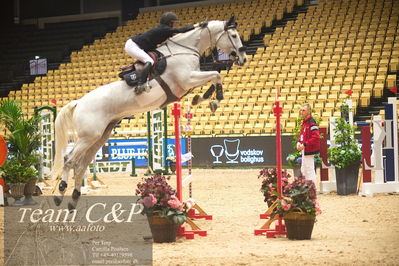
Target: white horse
{"type": "Point", "coordinates": [89, 120]}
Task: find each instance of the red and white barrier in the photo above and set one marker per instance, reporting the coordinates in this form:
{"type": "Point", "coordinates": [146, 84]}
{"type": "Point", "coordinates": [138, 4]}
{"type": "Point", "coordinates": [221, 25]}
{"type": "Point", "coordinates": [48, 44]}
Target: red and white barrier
{"type": "Point", "coordinates": [380, 160]}
{"type": "Point", "coordinates": [327, 170]}
{"type": "Point", "coordinates": [182, 232]}
{"type": "Point", "coordinates": [279, 227]}
{"type": "Point", "coordinates": [196, 212]}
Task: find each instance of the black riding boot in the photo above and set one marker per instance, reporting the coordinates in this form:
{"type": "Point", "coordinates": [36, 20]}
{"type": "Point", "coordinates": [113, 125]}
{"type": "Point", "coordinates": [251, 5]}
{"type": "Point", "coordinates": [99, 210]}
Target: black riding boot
{"type": "Point", "coordinates": [143, 78]}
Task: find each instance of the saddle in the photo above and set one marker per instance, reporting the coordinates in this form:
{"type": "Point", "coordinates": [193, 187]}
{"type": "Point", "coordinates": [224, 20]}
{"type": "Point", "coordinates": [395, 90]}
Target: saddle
{"type": "Point", "coordinates": [132, 76]}
{"type": "Point", "coordinates": [132, 73]}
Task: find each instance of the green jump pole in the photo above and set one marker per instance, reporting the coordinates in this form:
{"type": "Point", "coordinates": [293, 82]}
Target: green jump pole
{"type": "Point", "coordinates": [37, 110]}
{"type": "Point", "coordinates": [149, 141]}
{"type": "Point", "coordinates": [165, 141]}
{"type": "Point", "coordinates": [94, 169]}
{"type": "Point", "coordinates": [133, 167]}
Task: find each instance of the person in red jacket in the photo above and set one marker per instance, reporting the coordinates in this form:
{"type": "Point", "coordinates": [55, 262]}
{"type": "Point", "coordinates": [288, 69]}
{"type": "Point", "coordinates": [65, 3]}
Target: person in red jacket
{"type": "Point", "coordinates": [308, 142]}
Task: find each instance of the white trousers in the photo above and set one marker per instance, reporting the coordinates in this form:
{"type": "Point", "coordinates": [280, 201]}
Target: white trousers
{"type": "Point", "coordinates": [307, 167]}
{"type": "Point", "coordinates": [132, 49]}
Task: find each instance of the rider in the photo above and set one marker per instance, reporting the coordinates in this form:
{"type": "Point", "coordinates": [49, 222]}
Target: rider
{"type": "Point", "coordinates": [138, 45]}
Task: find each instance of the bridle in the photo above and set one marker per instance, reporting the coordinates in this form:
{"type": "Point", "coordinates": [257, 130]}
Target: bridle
{"type": "Point", "coordinates": [235, 51]}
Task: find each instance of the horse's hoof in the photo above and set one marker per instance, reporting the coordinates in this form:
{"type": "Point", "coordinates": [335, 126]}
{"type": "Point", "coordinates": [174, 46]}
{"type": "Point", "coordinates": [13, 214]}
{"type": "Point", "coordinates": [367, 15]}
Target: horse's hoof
{"type": "Point", "coordinates": [57, 201]}
{"type": "Point", "coordinates": [213, 105]}
{"type": "Point", "coordinates": [75, 194]}
{"type": "Point", "coordinates": [71, 207]}
{"type": "Point", "coordinates": [63, 185]}
{"type": "Point", "coordinates": [195, 100]}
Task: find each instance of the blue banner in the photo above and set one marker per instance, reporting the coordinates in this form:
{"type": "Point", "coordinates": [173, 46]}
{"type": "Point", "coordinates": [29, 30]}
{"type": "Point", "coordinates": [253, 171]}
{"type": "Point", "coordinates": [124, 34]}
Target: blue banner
{"type": "Point", "coordinates": [119, 150]}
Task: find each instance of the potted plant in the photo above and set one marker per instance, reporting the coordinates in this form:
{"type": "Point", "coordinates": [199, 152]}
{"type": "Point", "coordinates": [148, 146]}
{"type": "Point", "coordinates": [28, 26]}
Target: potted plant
{"type": "Point", "coordinates": [298, 207]}
{"type": "Point", "coordinates": [23, 141]}
{"type": "Point", "coordinates": [345, 156]}
{"type": "Point", "coordinates": [17, 173]}
{"type": "Point", "coordinates": [269, 183]}
{"type": "Point", "coordinates": [163, 209]}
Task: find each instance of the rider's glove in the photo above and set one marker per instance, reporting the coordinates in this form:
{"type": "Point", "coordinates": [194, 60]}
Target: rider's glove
{"type": "Point", "coordinates": [203, 24]}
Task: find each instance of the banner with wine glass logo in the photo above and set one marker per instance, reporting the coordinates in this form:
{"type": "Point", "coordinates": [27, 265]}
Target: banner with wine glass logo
{"type": "Point", "coordinates": [238, 151]}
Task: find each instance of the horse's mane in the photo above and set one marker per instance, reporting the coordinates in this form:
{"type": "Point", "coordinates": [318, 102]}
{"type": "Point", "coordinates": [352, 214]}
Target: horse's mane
{"type": "Point", "coordinates": [181, 36]}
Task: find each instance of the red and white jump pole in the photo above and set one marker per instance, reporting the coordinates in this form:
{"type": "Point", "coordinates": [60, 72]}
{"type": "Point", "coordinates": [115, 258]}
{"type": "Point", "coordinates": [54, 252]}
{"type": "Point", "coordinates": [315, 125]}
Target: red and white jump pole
{"type": "Point", "coordinates": [278, 110]}
{"type": "Point", "coordinates": [279, 227]}
{"type": "Point", "coordinates": [182, 232]}
{"type": "Point", "coordinates": [200, 214]}
{"type": "Point", "coordinates": [176, 112]}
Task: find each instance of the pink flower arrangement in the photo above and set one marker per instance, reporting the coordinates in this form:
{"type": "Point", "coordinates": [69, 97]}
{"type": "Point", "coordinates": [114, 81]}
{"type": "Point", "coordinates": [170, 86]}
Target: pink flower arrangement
{"type": "Point", "coordinates": [159, 198]}
{"type": "Point", "coordinates": [189, 204]}
{"type": "Point", "coordinates": [175, 203]}
{"type": "Point", "coordinates": [298, 196]}
{"type": "Point", "coordinates": [317, 206]}
{"type": "Point", "coordinates": [269, 183]}
{"type": "Point", "coordinates": [149, 201]}
{"type": "Point", "coordinates": [285, 205]}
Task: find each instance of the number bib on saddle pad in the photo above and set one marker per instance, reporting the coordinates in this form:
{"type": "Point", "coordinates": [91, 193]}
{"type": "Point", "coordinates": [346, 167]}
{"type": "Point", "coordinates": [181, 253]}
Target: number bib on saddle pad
{"type": "Point", "coordinates": [132, 76]}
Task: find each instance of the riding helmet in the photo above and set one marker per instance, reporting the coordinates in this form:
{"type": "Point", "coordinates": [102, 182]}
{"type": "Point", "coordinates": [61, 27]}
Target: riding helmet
{"type": "Point", "coordinates": [168, 18]}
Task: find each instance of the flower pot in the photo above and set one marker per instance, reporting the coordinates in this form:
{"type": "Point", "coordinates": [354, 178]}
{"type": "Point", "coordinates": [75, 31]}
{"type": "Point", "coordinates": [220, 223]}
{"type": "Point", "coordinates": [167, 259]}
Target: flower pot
{"type": "Point", "coordinates": [162, 229]}
{"type": "Point", "coordinates": [299, 225]}
{"type": "Point", "coordinates": [30, 187]}
{"type": "Point", "coordinates": [17, 192]}
{"type": "Point", "coordinates": [297, 170]}
{"type": "Point", "coordinates": [346, 179]}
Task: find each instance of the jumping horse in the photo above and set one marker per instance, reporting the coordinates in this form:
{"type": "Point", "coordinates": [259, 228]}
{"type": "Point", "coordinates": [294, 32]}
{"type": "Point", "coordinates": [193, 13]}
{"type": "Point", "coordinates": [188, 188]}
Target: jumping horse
{"type": "Point", "coordinates": [89, 121]}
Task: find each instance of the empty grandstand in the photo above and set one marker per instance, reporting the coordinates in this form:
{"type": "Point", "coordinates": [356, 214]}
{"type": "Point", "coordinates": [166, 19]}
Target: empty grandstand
{"type": "Point", "coordinates": [313, 51]}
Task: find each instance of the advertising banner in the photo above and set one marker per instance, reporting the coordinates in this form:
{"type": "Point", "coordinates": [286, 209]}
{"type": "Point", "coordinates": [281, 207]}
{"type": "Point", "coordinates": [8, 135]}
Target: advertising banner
{"type": "Point", "coordinates": [157, 140]}
{"type": "Point", "coordinates": [238, 151]}
{"type": "Point", "coordinates": [117, 154]}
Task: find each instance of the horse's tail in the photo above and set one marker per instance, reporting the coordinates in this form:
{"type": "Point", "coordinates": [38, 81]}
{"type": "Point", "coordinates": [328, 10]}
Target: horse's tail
{"type": "Point", "coordinates": [64, 132]}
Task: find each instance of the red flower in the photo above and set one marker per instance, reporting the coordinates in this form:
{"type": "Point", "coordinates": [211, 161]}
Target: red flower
{"type": "Point", "coordinates": [349, 92]}
{"type": "Point", "coordinates": [394, 90]}
{"type": "Point", "coordinates": [54, 101]}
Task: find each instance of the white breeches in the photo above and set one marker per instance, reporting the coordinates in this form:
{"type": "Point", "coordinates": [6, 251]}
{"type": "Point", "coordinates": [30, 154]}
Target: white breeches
{"type": "Point", "coordinates": [307, 167]}
{"type": "Point", "coordinates": [132, 49]}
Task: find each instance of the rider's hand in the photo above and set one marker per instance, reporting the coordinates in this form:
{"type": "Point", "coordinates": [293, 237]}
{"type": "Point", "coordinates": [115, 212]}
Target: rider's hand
{"type": "Point", "coordinates": [203, 24]}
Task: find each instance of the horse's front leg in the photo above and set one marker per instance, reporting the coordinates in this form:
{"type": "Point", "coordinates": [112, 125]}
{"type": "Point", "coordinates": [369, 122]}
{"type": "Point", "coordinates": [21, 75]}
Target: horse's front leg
{"type": "Point", "coordinates": [78, 174]}
{"type": "Point", "coordinates": [64, 182]}
{"type": "Point", "coordinates": [198, 78]}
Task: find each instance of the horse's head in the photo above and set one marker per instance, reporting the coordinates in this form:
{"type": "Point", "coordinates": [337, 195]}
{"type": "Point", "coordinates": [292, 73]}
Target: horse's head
{"type": "Point", "coordinates": [229, 41]}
